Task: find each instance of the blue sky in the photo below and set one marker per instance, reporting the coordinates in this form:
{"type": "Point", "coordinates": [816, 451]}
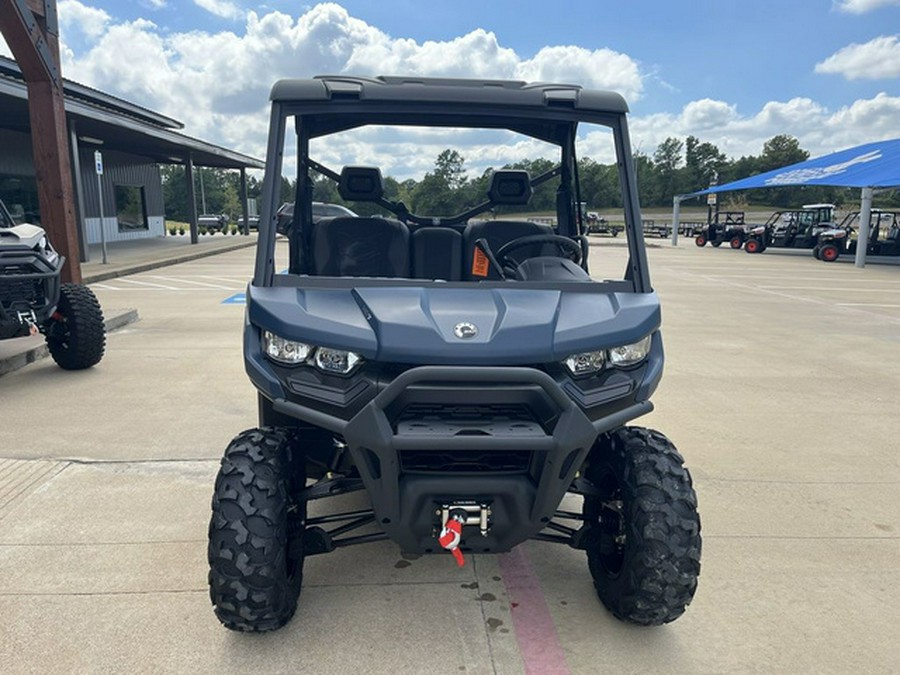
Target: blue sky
{"type": "Point", "coordinates": [735, 74]}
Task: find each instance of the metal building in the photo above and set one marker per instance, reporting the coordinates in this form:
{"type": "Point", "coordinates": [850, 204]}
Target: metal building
{"type": "Point", "coordinates": [133, 141]}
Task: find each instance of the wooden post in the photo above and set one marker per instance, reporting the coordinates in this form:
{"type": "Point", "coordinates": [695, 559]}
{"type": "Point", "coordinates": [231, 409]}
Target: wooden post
{"type": "Point", "coordinates": [32, 33]}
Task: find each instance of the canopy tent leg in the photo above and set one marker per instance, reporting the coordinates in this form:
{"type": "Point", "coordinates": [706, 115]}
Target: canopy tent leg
{"type": "Point", "coordinates": [676, 218]}
{"type": "Point", "coordinates": [865, 217]}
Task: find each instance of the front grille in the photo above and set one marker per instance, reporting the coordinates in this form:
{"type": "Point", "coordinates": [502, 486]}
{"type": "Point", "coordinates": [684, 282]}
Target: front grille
{"type": "Point", "coordinates": [446, 412]}
{"type": "Point", "coordinates": [465, 461]}
{"type": "Point", "coordinates": [21, 291]}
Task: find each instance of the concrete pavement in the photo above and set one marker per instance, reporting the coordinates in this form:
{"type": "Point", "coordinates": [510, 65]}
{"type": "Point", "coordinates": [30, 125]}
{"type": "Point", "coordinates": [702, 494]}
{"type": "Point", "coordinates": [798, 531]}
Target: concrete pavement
{"type": "Point", "coordinates": [780, 391]}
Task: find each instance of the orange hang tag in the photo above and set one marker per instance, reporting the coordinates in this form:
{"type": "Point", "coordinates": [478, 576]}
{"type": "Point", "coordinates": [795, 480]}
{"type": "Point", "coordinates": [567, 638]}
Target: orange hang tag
{"type": "Point", "coordinates": [480, 263]}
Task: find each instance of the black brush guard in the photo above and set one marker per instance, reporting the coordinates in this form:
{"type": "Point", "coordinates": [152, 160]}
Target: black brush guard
{"type": "Point", "coordinates": [505, 439]}
{"type": "Point", "coordinates": [29, 286]}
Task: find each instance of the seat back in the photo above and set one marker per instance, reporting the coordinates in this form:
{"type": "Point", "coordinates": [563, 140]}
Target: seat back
{"type": "Point", "coordinates": [360, 247]}
{"type": "Point", "coordinates": [498, 233]}
{"type": "Point", "coordinates": [437, 253]}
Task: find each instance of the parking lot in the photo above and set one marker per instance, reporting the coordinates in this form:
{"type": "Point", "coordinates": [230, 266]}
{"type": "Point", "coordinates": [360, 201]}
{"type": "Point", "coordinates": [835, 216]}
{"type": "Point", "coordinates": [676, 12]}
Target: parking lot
{"type": "Point", "coordinates": [781, 391]}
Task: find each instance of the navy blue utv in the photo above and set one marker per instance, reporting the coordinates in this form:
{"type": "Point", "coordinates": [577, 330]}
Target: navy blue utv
{"type": "Point", "coordinates": [453, 358]}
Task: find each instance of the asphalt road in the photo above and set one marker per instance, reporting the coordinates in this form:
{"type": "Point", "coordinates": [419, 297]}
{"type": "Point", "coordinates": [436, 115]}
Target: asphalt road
{"type": "Point", "coordinates": [780, 390]}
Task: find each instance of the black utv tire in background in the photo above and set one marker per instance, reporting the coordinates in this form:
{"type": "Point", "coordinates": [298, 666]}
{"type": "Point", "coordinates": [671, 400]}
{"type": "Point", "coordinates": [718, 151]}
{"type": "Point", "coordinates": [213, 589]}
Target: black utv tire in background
{"type": "Point", "coordinates": [643, 545]}
{"type": "Point", "coordinates": [76, 334]}
{"type": "Point", "coordinates": [256, 531]}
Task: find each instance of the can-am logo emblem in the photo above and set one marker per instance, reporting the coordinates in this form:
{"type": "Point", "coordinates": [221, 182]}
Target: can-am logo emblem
{"type": "Point", "coordinates": [465, 330]}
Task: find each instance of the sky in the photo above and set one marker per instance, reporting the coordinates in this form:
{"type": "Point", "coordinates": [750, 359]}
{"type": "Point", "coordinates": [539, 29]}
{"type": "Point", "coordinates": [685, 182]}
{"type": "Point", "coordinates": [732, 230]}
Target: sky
{"type": "Point", "coordinates": [730, 73]}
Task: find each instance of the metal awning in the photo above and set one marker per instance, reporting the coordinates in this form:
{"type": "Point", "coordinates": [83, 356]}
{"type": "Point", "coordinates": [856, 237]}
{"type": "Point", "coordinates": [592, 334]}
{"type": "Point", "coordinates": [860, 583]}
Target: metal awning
{"type": "Point", "coordinates": [121, 125]}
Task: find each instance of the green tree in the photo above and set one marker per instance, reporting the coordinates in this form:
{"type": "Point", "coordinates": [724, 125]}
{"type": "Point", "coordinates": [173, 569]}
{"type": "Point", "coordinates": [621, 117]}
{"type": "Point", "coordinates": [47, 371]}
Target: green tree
{"type": "Point", "coordinates": [449, 168]}
{"type": "Point", "coordinates": [666, 161]}
{"type": "Point", "coordinates": [780, 151]}
{"type": "Point", "coordinates": [703, 162]}
{"type": "Point", "coordinates": [441, 192]}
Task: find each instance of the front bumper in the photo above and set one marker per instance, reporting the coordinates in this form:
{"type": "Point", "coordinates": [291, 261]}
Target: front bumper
{"type": "Point", "coordinates": [419, 445]}
{"type": "Point", "coordinates": [29, 287]}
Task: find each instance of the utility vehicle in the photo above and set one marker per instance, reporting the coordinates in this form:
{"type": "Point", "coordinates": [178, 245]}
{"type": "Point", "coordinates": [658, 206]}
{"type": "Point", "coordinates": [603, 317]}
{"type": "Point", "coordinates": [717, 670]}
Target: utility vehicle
{"type": "Point", "coordinates": [797, 228]}
{"type": "Point", "coordinates": [724, 226]}
{"type": "Point", "coordinates": [32, 299]}
{"type": "Point", "coordinates": [466, 373]}
{"type": "Point", "coordinates": [884, 236]}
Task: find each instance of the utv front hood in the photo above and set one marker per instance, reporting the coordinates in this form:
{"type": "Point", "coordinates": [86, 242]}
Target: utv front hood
{"type": "Point", "coordinates": [425, 325]}
{"type": "Point", "coordinates": [21, 236]}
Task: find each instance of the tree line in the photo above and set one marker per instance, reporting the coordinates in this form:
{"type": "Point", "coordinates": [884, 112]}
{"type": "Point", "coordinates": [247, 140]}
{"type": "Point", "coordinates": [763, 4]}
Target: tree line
{"type": "Point", "coordinates": [675, 167]}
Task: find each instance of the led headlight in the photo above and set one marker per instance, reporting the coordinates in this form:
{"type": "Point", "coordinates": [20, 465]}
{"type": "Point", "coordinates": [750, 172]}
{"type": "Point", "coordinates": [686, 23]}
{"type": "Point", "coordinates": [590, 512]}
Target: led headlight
{"type": "Point", "coordinates": [336, 360]}
{"type": "Point", "coordinates": [628, 355]}
{"type": "Point", "coordinates": [585, 363]}
{"type": "Point", "coordinates": [285, 351]}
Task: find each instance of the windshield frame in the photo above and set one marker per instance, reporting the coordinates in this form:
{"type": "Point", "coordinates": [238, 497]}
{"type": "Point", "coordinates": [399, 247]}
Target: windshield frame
{"type": "Point", "coordinates": [555, 124]}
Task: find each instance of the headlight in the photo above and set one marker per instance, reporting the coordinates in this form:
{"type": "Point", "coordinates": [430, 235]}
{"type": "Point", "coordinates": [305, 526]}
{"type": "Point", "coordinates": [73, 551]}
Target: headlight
{"type": "Point", "coordinates": [336, 360]}
{"type": "Point", "coordinates": [585, 363]}
{"type": "Point", "coordinates": [628, 355]}
{"type": "Point", "coordinates": [285, 351]}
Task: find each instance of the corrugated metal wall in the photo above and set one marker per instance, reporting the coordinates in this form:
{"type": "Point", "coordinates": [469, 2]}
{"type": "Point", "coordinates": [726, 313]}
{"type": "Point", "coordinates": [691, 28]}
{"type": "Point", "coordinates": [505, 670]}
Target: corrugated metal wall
{"type": "Point", "coordinates": [118, 169]}
{"type": "Point", "coordinates": [15, 154]}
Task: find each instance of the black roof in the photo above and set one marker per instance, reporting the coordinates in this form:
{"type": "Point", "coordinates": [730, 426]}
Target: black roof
{"type": "Point", "coordinates": [411, 90]}
{"type": "Point", "coordinates": [333, 103]}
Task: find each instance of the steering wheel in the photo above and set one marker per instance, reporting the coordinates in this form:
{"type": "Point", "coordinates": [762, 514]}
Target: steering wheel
{"type": "Point", "coordinates": [569, 248]}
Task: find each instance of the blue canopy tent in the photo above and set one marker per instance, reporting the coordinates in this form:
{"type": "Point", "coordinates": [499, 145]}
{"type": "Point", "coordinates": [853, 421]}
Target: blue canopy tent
{"type": "Point", "coordinates": [869, 167]}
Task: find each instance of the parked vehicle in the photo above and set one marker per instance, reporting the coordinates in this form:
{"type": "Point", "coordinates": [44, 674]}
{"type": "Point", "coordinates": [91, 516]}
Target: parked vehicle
{"type": "Point", "coordinates": [213, 221]}
{"type": "Point", "coordinates": [797, 228]}
{"type": "Point", "coordinates": [465, 373]}
{"type": "Point", "coordinates": [597, 224]}
{"type": "Point", "coordinates": [884, 236]}
{"type": "Point", "coordinates": [285, 214]}
{"type": "Point", "coordinates": [33, 301]}
{"type": "Point", "coordinates": [725, 226]}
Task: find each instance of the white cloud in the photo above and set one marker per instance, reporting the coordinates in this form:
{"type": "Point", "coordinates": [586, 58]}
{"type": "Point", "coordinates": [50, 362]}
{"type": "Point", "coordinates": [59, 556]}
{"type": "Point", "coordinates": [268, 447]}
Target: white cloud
{"type": "Point", "coordinates": [89, 21]}
{"type": "Point", "coordinates": [876, 59]}
{"type": "Point", "coordinates": [223, 8]}
{"type": "Point", "coordinates": [819, 130]}
{"type": "Point", "coordinates": [156, 4]}
{"type": "Point", "coordinates": [862, 6]}
{"type": "Point", "coordinates": [218, 83]}
{"type": "Point", "coordinates": [707, 114]}
{"type": "Point", "coordinates": [600, 69]}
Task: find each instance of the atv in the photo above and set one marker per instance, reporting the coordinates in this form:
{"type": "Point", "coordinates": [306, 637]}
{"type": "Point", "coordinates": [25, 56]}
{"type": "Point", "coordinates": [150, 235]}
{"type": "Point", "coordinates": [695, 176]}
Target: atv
{"type": "Point", "coordinates": [33, 301]}
{"type": "Point", "coordinates": [467, 374]}
{"type": "Point", "coordinates": [884, 236]}
{"type": "Point", "coordinates": [797, 228]}
{"type": "Point", "coordinates": [724, 226]}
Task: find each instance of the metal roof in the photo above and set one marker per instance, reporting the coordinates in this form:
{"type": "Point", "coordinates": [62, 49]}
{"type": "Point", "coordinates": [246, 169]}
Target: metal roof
{"type": "Point", "coordinates": [121, 125]}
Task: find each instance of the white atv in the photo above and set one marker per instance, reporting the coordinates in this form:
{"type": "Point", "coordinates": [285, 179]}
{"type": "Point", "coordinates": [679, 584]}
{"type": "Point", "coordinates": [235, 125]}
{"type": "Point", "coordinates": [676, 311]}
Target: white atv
{"type": "Point", "coordinates": [33, 301]}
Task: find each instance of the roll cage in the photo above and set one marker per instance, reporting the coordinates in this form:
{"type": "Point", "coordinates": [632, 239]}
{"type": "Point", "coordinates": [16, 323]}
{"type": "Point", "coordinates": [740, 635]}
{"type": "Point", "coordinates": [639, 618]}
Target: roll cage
{"type": "Point", "coordinates": [550, 113]}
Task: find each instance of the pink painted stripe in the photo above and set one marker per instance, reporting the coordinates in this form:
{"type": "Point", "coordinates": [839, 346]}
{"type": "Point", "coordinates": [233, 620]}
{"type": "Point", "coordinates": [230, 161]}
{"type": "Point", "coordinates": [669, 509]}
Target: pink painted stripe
{"type": "Point", "coordinates": [535, 630]}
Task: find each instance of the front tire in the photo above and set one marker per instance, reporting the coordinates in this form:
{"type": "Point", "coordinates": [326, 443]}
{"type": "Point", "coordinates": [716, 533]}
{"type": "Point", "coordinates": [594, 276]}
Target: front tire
{"type": "Point", "coordinates": [643, 544]}
{"type": "Point", "coordinates": [736, 242]}
{"type": "Point", "coordinates": [256, 531]}
{"type": "Point", "coordinates": [753, 246]}
{"type": "Point", "coordinates": [76, 333]}
{"type": "Point", "coordinates": [700, 240]}
{"type": "Point", "coordinates": [829, 253]}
